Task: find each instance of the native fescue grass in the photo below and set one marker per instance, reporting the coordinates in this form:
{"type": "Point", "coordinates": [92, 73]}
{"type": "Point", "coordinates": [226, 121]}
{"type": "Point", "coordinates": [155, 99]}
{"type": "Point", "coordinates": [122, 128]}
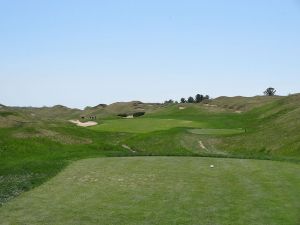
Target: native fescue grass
{"type": "Point", "coordinates": [163, 190]}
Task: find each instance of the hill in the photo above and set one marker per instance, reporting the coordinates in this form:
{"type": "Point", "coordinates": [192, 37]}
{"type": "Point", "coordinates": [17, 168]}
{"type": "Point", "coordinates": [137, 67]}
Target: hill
{"type": "Point", "coordinates": [272, 129]}
{"type": "Point", "coordinates": [243, 104]}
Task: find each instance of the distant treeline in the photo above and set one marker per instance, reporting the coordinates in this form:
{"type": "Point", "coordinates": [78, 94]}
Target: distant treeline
{"type": "Point", "coordinates": [198, 98]}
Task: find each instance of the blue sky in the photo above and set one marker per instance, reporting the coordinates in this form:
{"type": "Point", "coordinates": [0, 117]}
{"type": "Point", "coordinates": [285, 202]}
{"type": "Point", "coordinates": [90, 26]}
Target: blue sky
{"type": "Point", "coordinates": [80, 53]}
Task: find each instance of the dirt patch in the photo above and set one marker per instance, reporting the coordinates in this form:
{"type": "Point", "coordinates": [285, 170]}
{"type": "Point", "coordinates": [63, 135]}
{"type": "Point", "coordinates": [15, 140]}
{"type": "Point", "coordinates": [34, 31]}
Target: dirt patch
{"type": "Point", "coordinates": [128, 148]}
{"type": "Point", "coordinates": [201, 145]}
{"type": "Point", "coordinates": [84, 124]}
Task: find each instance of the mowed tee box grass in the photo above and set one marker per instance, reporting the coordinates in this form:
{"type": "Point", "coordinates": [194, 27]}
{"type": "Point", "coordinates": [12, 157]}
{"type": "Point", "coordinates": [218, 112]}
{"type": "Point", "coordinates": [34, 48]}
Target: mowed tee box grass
{"type": "Point", "coordinates": [163, 190]}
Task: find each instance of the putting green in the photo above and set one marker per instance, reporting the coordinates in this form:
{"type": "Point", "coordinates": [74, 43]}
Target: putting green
{"type": "Point", "coordinates": [143, 125]}
{"type": "Point", "coordinates": [163, 190]}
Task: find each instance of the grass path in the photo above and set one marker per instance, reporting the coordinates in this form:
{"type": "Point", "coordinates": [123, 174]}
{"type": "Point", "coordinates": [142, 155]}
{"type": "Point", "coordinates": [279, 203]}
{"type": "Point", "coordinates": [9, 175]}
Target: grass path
{"type": "Point", "coordinates": [163, 190]}
{"type": "Point", "coordinates": [217, 131]}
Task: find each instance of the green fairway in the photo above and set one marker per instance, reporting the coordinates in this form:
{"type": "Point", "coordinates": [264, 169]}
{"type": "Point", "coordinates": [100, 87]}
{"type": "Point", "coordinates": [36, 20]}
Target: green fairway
{"type": "Point", "coordinates": [143, 125]}
{"type": "Point", "coordinates": [163, 190]}
{"type": "Point", "coordinates": [217, 131]}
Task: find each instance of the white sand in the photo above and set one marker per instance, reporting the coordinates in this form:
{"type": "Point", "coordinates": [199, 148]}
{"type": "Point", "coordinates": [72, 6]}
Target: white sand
{"type": "Point", "coordinates": [85, 124]}
{"type": "Point", "coordinates": [129, 117]}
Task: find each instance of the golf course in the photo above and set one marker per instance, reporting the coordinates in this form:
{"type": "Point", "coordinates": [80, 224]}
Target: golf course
{"type": "Point", "coordinates": [176, 163]}
{"type": "Point", "coordinates": [161, 112]}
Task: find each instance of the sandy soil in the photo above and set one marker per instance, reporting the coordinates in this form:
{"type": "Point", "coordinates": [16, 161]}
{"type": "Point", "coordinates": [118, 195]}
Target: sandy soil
{"type": "Point", "coordinates": [201, 144]}
{"type": "Point", "coordinates": [85, 124]}
{"type": "Point", "coordinates": [127, 147]}
{"type": "Point", "coordinates": [211, 105]}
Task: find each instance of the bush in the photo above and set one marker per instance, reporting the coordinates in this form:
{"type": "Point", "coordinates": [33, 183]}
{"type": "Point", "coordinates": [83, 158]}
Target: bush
{"type": "Point", "coordinates": [122, 115]}
{"type": "Point", "coordinates": [137, 114]}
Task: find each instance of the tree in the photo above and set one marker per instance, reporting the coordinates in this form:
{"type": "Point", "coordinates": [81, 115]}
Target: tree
{"type": "Point", "coordinates": [169, 101]}
{"type": "Point", "coordinates": [190, 100]}
{"type": "Point", "coordinates": [206, 97]}
{"type": "Point", "coordinates": [270, 91]}
{"type": "Point", "coordinates": [182, 100]}
{"type": "Point", "coordinates": [199, 98]}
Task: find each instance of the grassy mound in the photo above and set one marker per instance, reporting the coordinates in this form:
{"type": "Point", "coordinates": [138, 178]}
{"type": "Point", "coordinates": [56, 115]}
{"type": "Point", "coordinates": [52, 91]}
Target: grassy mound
{"type": "Point", "coordinates": [163, 190]}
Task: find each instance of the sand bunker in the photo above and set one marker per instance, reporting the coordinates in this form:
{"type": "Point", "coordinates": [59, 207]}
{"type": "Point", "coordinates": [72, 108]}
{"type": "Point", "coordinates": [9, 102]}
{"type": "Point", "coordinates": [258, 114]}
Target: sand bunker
{"type": "Point", "coordinates": [85, 124]}
{"type": "Point", "coordinates": [128, 117]}
{"type": "Point", "coordinates": [181, 108]}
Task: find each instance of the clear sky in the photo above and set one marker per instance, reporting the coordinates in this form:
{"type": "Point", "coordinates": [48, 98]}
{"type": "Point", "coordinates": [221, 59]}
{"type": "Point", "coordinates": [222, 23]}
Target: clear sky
{"type": "Point", "coordinates": [86, 52]}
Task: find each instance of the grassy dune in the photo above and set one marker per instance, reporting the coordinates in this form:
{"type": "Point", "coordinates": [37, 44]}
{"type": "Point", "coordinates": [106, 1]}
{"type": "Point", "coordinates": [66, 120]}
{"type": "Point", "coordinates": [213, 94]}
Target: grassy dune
{"type": "Point", "coordinates": [163, 190]}
{"type": "Point", "coordinates": [272, 129]}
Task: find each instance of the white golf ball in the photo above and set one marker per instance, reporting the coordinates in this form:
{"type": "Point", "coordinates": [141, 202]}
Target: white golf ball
{"type": "Point", "coordinates": [212, 166]}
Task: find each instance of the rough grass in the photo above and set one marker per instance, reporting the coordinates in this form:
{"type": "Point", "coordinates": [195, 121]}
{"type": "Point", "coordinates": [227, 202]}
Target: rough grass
{"type": "Point", "coordinates": [29, 160]}
{"type": "Point", "coordinates": [272, 129]}
{"type": "Point", "coordinates": [163, 190]}
{"type": "Point", "coordinates": [143, 125]}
